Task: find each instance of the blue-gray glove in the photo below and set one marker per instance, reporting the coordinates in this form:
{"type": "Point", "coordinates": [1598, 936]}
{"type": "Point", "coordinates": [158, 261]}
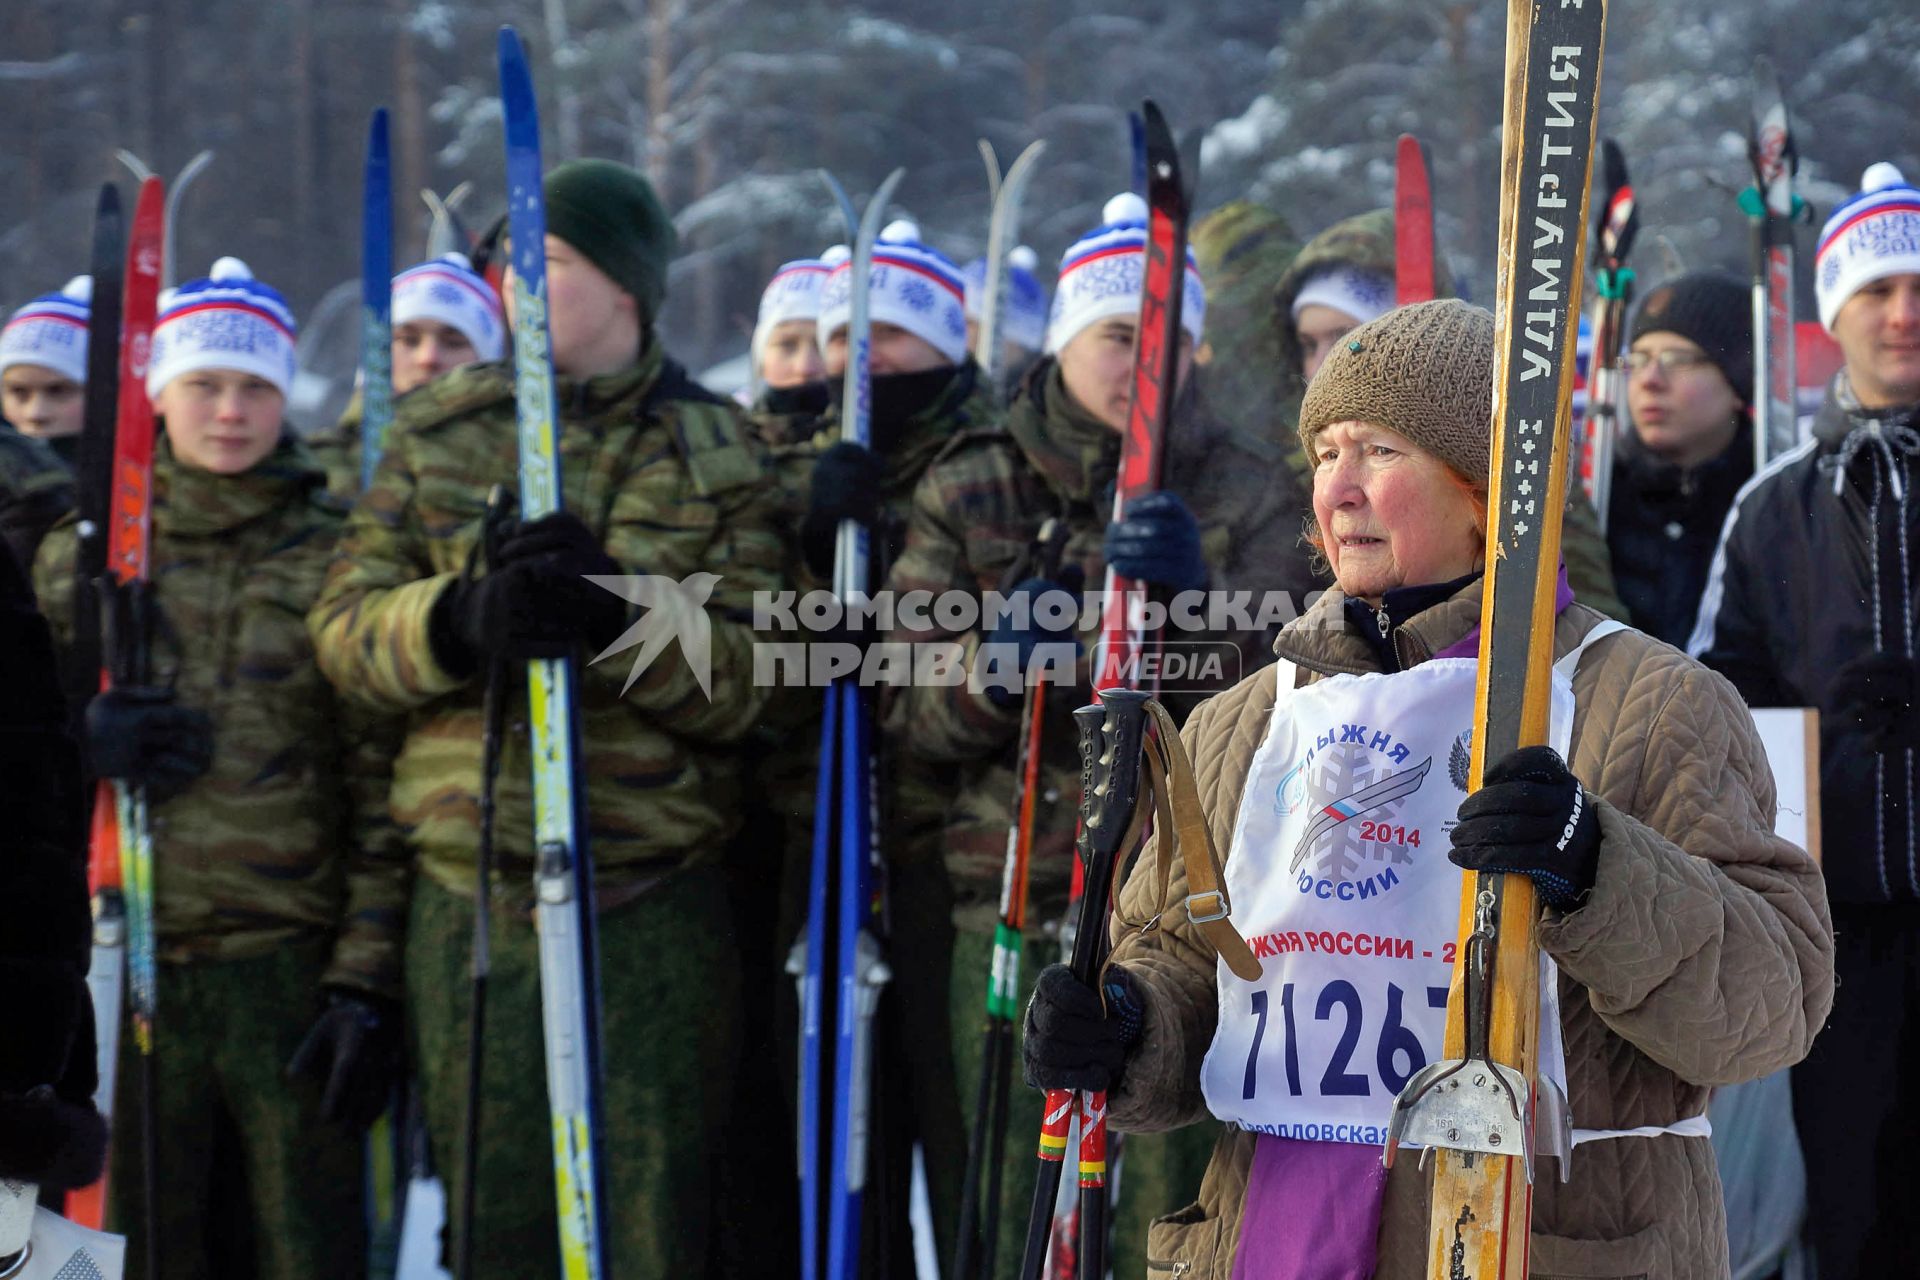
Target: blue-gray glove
{"type": "Point", "coordinates": [1158, 541]}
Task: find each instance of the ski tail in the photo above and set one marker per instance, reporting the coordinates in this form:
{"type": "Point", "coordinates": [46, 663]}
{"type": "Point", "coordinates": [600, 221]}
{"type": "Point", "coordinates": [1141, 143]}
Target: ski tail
{"type": "Point", "coordinates": [1003, 232]}
{"type": "Point", "coordinates": [376, 299]}
{"type": "Point", "coordinates": [1413, 242]}
{"type": "Point", "coordinates": [176, 195]}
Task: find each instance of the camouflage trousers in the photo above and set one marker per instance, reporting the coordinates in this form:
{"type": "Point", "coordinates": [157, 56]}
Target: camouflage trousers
{"type": "Point", "coordinates": [251, 1182]}
{"type": "Point", "coordinates": [1156, 1173]}
{"type": "Point", "coordinates": [670, 1023]}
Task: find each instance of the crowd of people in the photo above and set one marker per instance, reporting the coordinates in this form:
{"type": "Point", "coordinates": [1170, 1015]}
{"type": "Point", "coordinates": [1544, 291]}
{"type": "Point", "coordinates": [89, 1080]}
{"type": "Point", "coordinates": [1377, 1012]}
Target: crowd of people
{"type": "Point", "coordinates": [312, 746]}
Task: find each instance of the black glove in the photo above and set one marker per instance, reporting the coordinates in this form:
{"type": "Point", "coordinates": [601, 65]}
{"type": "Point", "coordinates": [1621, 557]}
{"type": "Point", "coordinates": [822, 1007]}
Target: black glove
{"type": "Point", "coordinates": [1158, 541]}
{"type": "Point", "coordinates": [1531, 817]}
{"type": "Point", "coordinates": [1875, 694]}
{"type": "Point", "coordinates": [535, 600]}
{"type": "Point", "coordinates": [139, 734]}
{"type": "Point", "coordinates": [1077, 1038]}
{"type": "Point", "coordinates": [355, 1048]}
{"type": "Point", "coordinates": [845, 486]}
{"type": "Point", "coordinates": [1050, 608]}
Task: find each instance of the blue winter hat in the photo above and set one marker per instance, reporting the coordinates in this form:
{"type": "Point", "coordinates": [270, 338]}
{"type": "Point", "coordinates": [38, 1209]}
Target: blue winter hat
{"type": "Point", "coordinates": [1104, 271]}
{"type": "Point", "coordinates": [911, 285]}
{"type": "Point", "coordinates": [448, 290]}
{"type": "Point", "coordinates": [1874, 235]}
{"type": "Point", "coordinates": [1024, 319]}
{"type": "Point", "coordinates": [228, 320]}
{"type": "Point", "coordinates": [51, 332]}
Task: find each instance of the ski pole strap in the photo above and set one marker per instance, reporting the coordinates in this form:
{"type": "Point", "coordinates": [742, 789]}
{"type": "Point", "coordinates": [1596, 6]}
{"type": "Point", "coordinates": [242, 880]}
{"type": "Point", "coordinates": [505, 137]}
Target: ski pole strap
{"type": "Point", "coordinates": [1181, 821]}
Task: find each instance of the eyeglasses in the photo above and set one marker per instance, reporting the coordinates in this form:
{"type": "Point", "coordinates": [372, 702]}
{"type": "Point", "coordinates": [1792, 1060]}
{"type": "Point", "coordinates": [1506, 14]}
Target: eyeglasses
{"type": "Point", "coordinates": [1671, 361]}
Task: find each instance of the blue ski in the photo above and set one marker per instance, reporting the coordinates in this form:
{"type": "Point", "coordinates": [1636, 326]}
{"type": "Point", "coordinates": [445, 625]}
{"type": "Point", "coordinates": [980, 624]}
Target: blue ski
{"type": "Point", "coordinates": [376, 300]}
{"type": "Point", "coordinates": [563, 869]}
{"type": "Point", "coordinates": [844, 897]}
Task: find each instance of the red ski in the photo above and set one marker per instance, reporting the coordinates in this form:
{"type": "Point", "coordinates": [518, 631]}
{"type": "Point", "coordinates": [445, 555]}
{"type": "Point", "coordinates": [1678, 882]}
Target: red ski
{"type": "Point", "coordinates": [1412, 224]}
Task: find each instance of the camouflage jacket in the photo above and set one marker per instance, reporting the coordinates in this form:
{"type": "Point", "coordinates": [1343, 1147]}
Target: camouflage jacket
{"type": "Point", "coordinates": [670, 480]}
{"type": "Point", "coordinates": [287, 834]}
{"type": "Point", "coordinates": [977, 516]}
{"type": "Point", "coordinates": [36, 489]}
{"type": "Point", "coordinates": [337, 450]}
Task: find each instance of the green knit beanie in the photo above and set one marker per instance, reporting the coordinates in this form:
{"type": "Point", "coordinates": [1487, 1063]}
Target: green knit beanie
{"type": "Point", "coordinates": [611, 215]}
{"type": "Point", "coordinates": [1425, 371]}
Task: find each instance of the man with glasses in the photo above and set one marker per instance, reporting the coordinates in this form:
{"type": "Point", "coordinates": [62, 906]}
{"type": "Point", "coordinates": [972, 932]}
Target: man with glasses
{"type": "Point", "coordinates": [1689, 375]}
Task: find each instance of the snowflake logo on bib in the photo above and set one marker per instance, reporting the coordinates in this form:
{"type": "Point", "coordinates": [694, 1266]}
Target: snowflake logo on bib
{"type": "Point", "coordinates": [1354, 784]}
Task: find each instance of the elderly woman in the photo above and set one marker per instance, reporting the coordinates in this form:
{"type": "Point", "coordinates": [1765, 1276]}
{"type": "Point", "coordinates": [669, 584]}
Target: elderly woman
{"type": "Point", "coordinates": [1693, 946]}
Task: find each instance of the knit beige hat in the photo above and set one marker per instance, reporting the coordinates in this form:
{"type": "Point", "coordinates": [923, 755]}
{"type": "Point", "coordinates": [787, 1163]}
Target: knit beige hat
{"type": "Point", "coordinates": [1425, 371]}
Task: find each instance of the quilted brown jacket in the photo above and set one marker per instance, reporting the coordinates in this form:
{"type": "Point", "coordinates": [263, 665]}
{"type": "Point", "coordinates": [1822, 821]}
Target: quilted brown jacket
{"type": "Point", "coordinates": [1703, 957]}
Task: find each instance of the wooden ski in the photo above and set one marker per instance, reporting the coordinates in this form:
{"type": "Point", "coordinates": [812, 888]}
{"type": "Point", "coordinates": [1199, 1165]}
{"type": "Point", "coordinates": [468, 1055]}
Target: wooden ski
{"type": "Point", "coordinates": [1475, 1108]}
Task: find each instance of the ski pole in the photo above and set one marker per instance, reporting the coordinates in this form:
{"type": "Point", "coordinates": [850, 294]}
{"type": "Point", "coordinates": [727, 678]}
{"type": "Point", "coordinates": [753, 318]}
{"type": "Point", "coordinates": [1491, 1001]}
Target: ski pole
{"type": "Point", "coordinates": [1111, 733]}
{"type": "Point", "coordinates": [493, 722]}
{"type": "Point", "coordinates": [986, 1145]}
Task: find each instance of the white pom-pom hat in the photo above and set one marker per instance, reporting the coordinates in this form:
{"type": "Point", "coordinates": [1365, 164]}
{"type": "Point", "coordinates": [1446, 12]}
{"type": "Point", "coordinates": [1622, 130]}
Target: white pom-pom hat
{"type": "Point", "coordinates": [228, 320]}
{"type": "Point", "coordinates": [792, 294]}
{"type": "Point", "coordinates": [51, 332]}
{"type": "Point", "coordinates": [1103, 273]}
{"type": "Point", "coordinates": [449, 290]}
{"type": "Point", "coordinates": [911, 285]}
{"type": "Point", "coordinates": [1874, 235]}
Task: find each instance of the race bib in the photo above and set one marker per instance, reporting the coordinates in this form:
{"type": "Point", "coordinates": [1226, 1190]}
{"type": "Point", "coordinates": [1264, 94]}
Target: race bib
{"type": "Point", "coordinates": [1340, 882]}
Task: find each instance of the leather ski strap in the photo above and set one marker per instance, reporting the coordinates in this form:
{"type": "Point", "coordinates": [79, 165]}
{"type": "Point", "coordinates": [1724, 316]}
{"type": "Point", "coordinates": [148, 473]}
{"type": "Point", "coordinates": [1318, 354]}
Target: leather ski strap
{"type": "Point", "coordinates": [1181, 821]}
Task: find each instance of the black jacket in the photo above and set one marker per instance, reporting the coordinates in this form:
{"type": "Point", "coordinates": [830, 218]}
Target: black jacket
{"type": "Point", "coordinates": [1790, 601]}
{"type": "Point", "coordinates": [49, 1130]}
{"type": "Point", "coordinates": [1663, 523]}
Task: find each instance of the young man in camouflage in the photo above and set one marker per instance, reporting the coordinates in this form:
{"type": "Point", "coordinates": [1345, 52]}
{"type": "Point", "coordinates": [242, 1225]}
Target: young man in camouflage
{"type": "Point", "coordinates": [659, 478]}
{"type": "Point", "coordinates": [43, 375]}
{"type": "Point", "coordinates": [444, 315]}
{"type": "Point", "coordinates": [976, 521]}
{"type": "Point", "coordinates": [279, 881]}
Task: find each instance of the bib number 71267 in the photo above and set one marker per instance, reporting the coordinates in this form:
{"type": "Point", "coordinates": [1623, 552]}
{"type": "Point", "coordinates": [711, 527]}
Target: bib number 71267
{"type": "Point", "coordinates": [1395, 1049]}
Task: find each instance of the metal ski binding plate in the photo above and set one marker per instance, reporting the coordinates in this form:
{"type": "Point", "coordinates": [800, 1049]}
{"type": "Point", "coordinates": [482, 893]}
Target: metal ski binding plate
{"type": "Point", "coordinates": [1463, 1104]}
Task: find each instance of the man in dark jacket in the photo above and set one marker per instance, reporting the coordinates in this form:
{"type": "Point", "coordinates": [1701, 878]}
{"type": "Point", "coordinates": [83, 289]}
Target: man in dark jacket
{"type": "Point", "coordinates": [1811, 601]}
{"type": "Point", "coordinates": [1689, 377]}
{"type": "Point", "coordinates": [50, 1132]}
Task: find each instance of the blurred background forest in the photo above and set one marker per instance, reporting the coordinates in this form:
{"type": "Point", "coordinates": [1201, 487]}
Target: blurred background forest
{"type": "Point", "coordinates": [729, 105]}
